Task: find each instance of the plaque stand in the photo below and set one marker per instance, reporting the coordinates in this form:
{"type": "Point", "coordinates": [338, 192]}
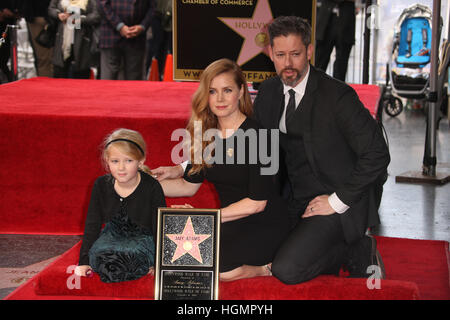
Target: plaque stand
{"type": "Point", "coordinates": [187, 254]}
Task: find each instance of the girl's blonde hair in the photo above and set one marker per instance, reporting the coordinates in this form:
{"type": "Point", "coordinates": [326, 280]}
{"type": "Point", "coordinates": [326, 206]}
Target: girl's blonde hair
{"type": "Point", "coordinates": [127, 141]}
{"type": "Point", "coordinates": [200, 106]}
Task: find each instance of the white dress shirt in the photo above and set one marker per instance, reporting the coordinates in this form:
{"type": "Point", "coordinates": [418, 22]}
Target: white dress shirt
{"type": "Point", "coordinates": [299, 92]}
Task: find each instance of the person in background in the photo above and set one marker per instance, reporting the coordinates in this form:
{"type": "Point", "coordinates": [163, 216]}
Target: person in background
{"type": "Point", "coordinates": [335, 28]}
{"type": "Point", "coordinates": [123, 37]}
{"type": "Point", "coordinates": [160, 44]}
{"type": "Point", "coordinates": [36, 16]}
{"type": "Point", "coordinates": [72, 51]}
{"type": "Point", "coordinates": [126, 200]}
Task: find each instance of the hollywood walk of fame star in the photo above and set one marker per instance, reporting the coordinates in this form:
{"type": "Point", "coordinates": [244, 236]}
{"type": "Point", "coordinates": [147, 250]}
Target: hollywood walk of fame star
{"type": "Point", "coordinates": [187, 242]}
{"type": "Point", "coordinates": [253, 30]}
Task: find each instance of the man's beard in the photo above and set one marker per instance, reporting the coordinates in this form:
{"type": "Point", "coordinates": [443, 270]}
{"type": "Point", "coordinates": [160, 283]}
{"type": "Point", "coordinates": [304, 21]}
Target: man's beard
{"type": "Point", "coordinates": [292, 80]}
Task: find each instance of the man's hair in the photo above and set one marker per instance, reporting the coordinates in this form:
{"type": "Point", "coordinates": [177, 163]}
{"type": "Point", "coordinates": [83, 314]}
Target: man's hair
{"type": "Point", "coordinates": [286, 25]}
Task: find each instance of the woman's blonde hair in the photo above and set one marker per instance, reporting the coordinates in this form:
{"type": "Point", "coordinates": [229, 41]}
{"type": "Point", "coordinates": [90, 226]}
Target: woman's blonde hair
{"type": "Point", "coordinates": [200, 106]}
{"type": "Point", "coordinates": [127, 141]}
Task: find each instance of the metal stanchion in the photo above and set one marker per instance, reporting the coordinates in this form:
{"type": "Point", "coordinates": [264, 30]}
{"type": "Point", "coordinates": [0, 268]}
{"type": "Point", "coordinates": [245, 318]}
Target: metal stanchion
{"type": "Point", "coordinates": [429, 159]}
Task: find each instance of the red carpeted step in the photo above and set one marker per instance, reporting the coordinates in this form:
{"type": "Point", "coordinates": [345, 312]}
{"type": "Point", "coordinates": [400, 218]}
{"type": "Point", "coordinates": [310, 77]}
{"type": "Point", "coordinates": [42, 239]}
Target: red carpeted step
{"type": "Point", "coordinates": [56, 280]}
{"type": "Point", "coordinates": [320, 288]}
{"type": "Point", "coordinates": [407, 278]}
{"type": "Point", "coordinates": [425, 262]}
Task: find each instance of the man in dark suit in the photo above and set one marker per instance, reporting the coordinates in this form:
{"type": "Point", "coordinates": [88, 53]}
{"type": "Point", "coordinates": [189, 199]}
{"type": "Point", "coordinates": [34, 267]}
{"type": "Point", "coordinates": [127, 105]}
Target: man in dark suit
{"type": "Point", "coordinates": [335, 156]}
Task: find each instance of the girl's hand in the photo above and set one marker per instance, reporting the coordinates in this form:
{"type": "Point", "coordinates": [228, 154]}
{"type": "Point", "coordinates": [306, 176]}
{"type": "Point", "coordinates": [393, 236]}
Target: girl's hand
{"type": "Point", "coordinates": [182, 206]}
{"type": "Point", "coordinates": [83, 271]}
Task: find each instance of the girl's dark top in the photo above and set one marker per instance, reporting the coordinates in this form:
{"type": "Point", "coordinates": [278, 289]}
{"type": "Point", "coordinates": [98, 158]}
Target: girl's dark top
{"type": "Point", "coordinates": [252, 240]}
{"type": "Point", "coordinates": [141, 207]}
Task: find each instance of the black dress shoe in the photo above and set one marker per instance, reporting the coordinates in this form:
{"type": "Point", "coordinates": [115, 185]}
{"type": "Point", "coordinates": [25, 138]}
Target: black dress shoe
{"type": "Point", "coordinates": [362, 255]}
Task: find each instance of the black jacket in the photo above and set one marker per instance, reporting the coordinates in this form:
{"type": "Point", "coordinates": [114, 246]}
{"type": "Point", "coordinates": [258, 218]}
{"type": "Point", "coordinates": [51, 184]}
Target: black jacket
{"type": "Point", "coordinates": [141, 207]}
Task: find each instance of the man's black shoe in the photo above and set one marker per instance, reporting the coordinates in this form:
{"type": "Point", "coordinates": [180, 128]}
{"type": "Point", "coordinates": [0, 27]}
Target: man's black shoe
{"type": "Point", "coordinates": [362, 255]}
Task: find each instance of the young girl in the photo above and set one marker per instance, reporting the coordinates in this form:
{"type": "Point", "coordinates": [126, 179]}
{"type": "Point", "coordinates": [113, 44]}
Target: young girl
{"type": "Point", "coordinates": [127, 200]}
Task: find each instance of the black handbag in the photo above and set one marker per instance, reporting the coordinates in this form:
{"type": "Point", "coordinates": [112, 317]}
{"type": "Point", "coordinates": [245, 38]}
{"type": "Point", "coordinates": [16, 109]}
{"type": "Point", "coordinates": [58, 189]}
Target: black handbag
{"type": "Point", "coordinates": [47, 36]}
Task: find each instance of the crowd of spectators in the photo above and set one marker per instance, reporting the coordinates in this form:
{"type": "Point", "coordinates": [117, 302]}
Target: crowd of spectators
{"type": "Point", "coordinates": [70, 38]}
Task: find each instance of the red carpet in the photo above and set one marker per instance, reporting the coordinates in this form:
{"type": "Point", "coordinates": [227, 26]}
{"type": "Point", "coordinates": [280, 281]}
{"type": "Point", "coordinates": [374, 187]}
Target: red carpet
{"type": "Point", "coordinates": [51, 130]}
{"type": "Point", "coordinates": [407, 278]}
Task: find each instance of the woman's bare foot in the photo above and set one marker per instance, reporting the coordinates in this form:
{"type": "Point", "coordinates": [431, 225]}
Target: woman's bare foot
{"type": "Point", "coordinates": [246, 271]}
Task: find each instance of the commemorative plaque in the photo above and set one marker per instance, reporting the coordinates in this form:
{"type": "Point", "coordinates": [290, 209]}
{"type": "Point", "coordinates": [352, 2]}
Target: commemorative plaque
{"type": "Point", "coordinates": [187, 254]}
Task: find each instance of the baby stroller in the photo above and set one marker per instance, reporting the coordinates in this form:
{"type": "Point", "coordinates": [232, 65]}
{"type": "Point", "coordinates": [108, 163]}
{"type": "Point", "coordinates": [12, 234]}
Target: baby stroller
{"type": "Point", "coordinates": [408, 68]}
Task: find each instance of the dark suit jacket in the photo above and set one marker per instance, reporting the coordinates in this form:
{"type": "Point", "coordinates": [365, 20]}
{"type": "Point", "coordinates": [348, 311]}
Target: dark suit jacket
{"type": "Point", "coordinates": [343, 143]}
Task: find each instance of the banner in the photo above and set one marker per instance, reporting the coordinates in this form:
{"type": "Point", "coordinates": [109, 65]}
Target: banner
{"type": "Point", "coordinates": [208, 30]}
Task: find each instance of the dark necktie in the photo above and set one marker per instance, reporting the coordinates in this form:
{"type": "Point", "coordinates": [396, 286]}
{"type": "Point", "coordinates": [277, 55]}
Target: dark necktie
{"type": "Point", "coordinates": [290, 108]}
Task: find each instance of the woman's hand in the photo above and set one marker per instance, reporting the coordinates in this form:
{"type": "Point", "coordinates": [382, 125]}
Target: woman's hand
{"type": "Point", "coordinates": [83, 271]}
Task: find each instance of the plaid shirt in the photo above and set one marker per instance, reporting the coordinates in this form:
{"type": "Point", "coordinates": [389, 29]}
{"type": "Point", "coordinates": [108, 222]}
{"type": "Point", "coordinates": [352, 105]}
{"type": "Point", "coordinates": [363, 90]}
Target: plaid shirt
{"type": "Point", "coordinates": [129, 12]}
